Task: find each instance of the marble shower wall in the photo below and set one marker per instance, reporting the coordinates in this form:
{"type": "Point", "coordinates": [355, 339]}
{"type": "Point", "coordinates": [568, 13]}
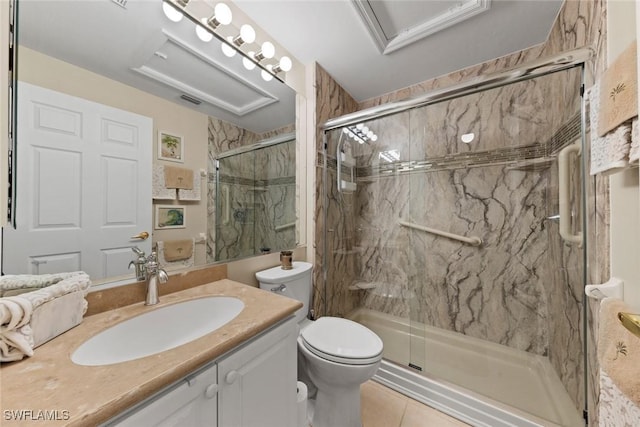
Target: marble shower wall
{"type": "Point", "coordinates": [330, 295]}
{"type": "Point", "coordinates": [257, 192]}
{"type": "Point", "coordinates": [275, 195]}
{"type": "Point", "coordinates": [519, 288]}
{"type": "Point", "coordinates": [580, 23]}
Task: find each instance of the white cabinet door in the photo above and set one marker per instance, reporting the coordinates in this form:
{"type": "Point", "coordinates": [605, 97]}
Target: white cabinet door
{"type": "Point", "coordinates": [258, 381]}
{"type": "Point", "coordinates": [85, 172]}
{"type": "Point", "coordinates": [190, 403]}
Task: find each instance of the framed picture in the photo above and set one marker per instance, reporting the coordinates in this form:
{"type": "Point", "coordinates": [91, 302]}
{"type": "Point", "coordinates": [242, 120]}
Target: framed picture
{"type": "Point", "coordinates": [170, 147]}
{"type": "Point", "coordinates": [170, 216]}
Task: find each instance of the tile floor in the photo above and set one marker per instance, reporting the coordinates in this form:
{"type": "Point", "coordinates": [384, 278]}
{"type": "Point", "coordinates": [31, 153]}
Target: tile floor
{"type": "Point", "coordinates": [383, 407]}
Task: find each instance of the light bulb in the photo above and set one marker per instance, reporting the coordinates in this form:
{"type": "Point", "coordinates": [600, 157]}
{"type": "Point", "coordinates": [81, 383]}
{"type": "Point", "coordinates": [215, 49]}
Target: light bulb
{"type": "Point", "coordinates": [248, 64]}
{"type": "Point", "coordinates": [171, 12]}
{"type": "Point", "coordinates": [268, 50]}
{"type": "Point", "coordinates": [267, 76]}
{"type": "Point", "coordinates": [285, 63]}
{"type": "Point", "coordinates": [247, 35]}
{"type": "Point", "coordinates": [359, 126]}
{"type": "Point", "coordinates": [365, 129]}
{"type": "Point", "coordinates": [202, 33]}
{"type": "Point", "coordinates": [345, 130]}
{"type": "Point", "coordinates": [228, 50]}
{"type": "Point", "coordinates": [370, 134]}
{"type": "Point", "coordinates": [374, 138]}
{"type": "Point", "coordinates": [222, 14]}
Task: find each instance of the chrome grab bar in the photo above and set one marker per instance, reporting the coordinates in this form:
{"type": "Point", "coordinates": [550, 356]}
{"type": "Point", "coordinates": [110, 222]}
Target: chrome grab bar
{"type": "Point", "coordinates": [564, 193]}
{"type": "Point", "coordinates": [473, 241]}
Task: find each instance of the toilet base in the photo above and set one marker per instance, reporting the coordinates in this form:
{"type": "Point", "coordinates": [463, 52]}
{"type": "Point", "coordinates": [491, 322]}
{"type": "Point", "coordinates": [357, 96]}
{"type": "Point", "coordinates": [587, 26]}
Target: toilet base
{"type": "Point", "coordinates": [339, 408]}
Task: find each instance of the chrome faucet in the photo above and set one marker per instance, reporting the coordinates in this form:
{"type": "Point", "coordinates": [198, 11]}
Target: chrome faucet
{"type": "Point", "coordinates": [154, 274]}
{"type": "Point", "coordinates": [139, 264]}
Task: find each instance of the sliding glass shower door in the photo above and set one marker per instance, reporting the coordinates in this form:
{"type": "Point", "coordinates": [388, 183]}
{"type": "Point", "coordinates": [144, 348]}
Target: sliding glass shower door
{"type": "Point", "coordinates": [442, 237]}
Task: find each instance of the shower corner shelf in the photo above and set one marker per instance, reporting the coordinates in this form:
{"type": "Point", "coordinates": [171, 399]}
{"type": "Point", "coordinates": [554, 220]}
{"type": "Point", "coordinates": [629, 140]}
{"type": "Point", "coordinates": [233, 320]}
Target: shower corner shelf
{"type": "Point", "coordinates": [532, 164]}
{"type": "Point", "coordinates": [362, 286]}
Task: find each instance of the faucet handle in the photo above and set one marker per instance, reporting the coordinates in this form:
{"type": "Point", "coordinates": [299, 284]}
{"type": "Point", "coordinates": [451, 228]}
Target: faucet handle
{"type": "Point", "coordinates": [138, 251]}
{"type": "Point", "coordinates": [153, 257]}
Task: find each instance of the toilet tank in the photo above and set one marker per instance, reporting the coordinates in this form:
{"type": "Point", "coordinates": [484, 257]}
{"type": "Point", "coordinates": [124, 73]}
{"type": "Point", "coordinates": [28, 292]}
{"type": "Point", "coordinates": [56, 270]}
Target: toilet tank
{"type": "Point", "coordinates": [297, 282]}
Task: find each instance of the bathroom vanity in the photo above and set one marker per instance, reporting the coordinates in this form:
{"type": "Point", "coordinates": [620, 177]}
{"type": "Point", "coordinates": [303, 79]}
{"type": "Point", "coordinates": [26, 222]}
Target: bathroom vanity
{"type": "Point", "coordinates": [241, 374]}
{"type": "Point", "coordinates": [254, 385]}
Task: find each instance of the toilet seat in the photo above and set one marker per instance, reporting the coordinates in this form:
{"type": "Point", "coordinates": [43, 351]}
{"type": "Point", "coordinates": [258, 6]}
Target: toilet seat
{"type": "Point", "coordinates": [342, 341]}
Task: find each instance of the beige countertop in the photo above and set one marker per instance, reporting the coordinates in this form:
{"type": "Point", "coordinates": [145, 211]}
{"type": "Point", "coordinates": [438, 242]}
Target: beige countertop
{"type": "Point", "coordinates": [89, 395]}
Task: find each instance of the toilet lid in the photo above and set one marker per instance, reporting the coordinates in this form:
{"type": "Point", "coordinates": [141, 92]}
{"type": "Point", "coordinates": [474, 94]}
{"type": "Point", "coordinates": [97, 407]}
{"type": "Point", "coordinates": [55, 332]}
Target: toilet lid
{"type": "Point", "coordinates": [343, 341]}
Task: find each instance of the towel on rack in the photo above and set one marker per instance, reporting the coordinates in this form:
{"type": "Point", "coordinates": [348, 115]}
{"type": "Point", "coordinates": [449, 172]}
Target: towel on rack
{"type": "Point", "coordinates": [614, 408]}
{"type": "Point", "coordinates": [618, 349]}
{"type": "Point", "coordinates": [175, 177]}
{"type": "Point", "coordinates": [33, 318]}
{"type": "Point", "coordinates": [193, 194]}
{"type": "Point", "coordinates": [619, 92]}
{"type": "Point", "coordinates": [176, 253]}
{"type": "Point", "coordinates": [609, 153]}
{"type": "Point", "coordinates": [634, 151]}
{"type": "Point", "coordinates": [159, 189]}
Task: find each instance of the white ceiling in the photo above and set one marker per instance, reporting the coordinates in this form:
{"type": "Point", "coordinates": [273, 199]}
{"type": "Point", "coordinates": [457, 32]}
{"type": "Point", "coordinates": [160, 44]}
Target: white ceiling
{"type": "Point", "coordinates": [407, 42]}
{"type": "Point", "coordinates": [332, 33]}
{"type": "Point", "coordinates": [139, 46]}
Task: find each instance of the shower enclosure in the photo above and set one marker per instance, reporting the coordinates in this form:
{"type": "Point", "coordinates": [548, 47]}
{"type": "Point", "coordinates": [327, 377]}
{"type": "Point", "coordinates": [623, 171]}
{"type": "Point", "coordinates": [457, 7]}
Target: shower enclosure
{"type": "Point", "coordinates": [442, 236]}
{"type": "Point", "coordinates": [255, 198]}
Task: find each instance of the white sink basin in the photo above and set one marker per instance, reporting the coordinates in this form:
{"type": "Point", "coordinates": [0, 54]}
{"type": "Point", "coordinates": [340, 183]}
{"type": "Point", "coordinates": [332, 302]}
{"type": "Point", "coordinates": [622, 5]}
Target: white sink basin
{"type": "Point", "coordinates": [158, 330]}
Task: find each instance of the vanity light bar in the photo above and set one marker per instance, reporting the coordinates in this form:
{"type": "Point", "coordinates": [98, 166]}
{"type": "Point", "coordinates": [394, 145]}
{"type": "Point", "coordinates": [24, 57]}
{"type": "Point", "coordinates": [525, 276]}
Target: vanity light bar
{"type": "Point", "coordinates": [360, 133]}
{"type": "Point", "coordinates": [230, 45]}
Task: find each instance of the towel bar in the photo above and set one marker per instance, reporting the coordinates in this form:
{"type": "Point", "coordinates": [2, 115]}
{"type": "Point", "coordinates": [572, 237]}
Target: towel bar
{"type": "Point", "coordinates": [631, 322]}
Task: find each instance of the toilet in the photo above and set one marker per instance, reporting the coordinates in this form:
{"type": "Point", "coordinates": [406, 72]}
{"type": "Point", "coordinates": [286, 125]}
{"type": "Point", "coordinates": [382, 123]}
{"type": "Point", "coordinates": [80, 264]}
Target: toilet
{"type": "Point", "coordinates": [337, 355]}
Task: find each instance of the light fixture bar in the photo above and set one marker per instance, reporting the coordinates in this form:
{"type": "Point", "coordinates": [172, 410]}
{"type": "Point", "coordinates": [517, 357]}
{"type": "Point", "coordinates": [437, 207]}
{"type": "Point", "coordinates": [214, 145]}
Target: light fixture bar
{"type": "Point", "coordinates": [360, 133]}
{"type": "Point", "coordinates": [246, 36]}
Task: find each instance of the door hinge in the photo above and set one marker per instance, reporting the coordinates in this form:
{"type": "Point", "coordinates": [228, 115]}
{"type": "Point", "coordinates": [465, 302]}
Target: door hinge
{"type": "Point", "coordinates": [582, 90]}
{"type": "Point", "coordinates": [585, 415]}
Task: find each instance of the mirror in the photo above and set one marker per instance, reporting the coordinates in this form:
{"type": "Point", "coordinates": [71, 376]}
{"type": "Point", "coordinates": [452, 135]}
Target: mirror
{"type": "Point", "coordinates": [193, 103]}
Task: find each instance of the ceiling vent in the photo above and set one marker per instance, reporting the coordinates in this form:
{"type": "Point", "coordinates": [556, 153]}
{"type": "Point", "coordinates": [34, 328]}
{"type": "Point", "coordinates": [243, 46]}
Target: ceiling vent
{"type": "Point", "coordinates": [191, 99]}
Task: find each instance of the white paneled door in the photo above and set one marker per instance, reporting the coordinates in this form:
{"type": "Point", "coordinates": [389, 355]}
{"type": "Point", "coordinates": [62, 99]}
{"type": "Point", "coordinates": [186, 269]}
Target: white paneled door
{"type": "Point", "coordinates": [84, 173]}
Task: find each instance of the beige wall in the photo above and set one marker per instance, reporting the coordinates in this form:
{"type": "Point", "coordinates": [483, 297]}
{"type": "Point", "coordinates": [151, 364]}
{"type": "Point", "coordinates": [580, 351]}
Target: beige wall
{"type": "Point", "coordinates": [167, 116]}
{"type": "Point", "coordinates": [624, 189]}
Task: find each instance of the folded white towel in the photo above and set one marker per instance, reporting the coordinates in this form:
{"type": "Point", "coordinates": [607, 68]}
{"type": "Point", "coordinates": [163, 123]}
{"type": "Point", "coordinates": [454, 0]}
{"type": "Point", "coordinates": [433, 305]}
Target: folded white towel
{"type": "Point", "coordinates": [16, 339]}
{"type": "Point", "coordinates": [159, 189]}
{"type": "Point", "coordinates": [16, 312]}
{"type": "Point", "coordinates": [14, 284]}
{"type": "Point", "coordinates": [194, 193]}
{"type": "Point", "coordinates": [634, 152]}
{"type": "Point", "coordinates": [610, 152]}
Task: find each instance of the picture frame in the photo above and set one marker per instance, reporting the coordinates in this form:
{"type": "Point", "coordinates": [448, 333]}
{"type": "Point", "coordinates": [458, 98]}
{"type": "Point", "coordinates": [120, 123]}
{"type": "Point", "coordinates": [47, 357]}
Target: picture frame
{"type": "Point", "coordinates": [170, 216]}
{"type": "Point", "coordinates": [170, 147]}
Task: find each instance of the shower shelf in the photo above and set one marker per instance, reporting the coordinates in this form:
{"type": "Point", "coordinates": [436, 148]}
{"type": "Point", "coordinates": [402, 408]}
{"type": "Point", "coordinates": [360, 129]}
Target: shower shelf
{"type": "Point", "coordinates": [358, 286]}
{"type": "Point", "coordinates": [532, 164]}
{"type": "Point", "coordinates": [346, 251]}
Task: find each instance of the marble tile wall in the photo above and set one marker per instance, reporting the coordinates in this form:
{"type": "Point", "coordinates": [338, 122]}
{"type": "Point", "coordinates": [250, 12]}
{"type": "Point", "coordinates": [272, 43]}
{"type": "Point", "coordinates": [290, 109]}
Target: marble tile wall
{"type": "Point", "coordinates": [580, 23]}
{"type": "Point", "coordinates": [331, 101]}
